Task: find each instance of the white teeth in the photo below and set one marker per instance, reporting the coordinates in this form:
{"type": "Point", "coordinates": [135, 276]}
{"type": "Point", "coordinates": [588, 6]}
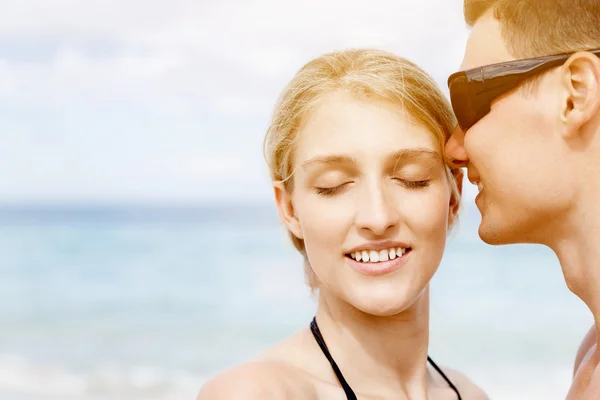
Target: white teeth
{"type": "Point", "coordinates": [374, 256]}
{"type": "Point", "coordinates": [479, 186]}
{"type": "Point", "coordinates": [365, 256]}
{"type": "Point", "coordinates": [378, 256]}
{"type": "Point", "coordinates": [383, 255]}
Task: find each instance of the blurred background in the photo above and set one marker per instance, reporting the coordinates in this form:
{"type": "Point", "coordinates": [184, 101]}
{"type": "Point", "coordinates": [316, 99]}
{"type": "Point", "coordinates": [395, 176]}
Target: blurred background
{"type": "Point", "coordinates": [140, 251]}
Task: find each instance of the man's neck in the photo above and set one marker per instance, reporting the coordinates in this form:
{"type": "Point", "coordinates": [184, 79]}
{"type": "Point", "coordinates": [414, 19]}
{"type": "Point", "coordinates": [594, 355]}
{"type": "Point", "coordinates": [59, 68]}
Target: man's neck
{"type": "Point", "coordinates": [578, 250]}
{"type": "Point", "coordinates": [576, 239]}
{"type": "Point", "coordinates": [385, 352]}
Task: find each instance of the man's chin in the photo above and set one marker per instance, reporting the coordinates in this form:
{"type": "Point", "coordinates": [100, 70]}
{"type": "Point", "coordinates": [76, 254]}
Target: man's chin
{"type": "Point", "coordinates": [501, 227]}
{"type": "Point", "coordinates": [491, 239]}
{"type": "Point", "coordinates": [495, 235]}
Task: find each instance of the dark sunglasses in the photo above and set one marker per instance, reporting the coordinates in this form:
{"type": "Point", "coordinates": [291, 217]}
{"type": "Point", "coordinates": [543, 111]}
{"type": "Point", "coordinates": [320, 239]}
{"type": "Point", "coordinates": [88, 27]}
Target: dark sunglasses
{"type": "Point", "coordinates": [472, 91]}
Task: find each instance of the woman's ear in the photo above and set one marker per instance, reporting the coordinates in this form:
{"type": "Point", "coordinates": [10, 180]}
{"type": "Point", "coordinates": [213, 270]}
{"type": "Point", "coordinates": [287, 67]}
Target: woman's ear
{"type": "Point", "coordinates": [286, 210]}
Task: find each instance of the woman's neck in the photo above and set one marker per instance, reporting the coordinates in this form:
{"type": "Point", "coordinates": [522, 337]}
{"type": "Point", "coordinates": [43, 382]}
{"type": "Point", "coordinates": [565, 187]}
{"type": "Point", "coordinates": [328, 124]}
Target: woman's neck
{"type": "Point", "coordinates": [378, 355]}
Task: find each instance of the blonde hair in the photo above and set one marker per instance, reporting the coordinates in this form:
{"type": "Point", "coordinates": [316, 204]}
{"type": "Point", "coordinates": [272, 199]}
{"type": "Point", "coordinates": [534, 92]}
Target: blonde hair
{"type": "Point", "coordinates": [365, 73]}
{"type": "Point", "coordinates": [533, 28]}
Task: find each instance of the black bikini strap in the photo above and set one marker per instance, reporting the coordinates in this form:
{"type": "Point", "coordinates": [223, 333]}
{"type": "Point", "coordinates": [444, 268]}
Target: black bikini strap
{"type": "Point", "coordinates": [439, 370]}
{"type": "Point", "coordinates": [319, 338]}
{"type": "Point", "coordinates": [349, 393]}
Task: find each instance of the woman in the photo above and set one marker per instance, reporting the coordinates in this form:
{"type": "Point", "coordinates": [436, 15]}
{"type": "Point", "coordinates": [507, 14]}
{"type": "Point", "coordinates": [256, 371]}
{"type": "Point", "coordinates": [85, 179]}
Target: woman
{"type": "Point", "coordinates": [355, 153]}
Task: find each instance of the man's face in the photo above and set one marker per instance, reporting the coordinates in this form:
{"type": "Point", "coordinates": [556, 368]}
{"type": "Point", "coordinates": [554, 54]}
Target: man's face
{"type": "Point", "coordinates": [515, 153]}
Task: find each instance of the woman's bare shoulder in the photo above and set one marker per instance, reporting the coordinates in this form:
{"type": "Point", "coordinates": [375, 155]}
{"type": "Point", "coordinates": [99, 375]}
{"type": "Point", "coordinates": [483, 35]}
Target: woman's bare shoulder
{"type": "Point", "coordinates": [279, 373]}
{"type": "Point", "coordinates": [258, 380]}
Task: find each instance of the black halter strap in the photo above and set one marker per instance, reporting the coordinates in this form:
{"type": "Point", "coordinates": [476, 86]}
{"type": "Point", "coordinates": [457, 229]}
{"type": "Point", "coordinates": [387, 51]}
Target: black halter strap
{"type": "Point", "coordinates": [347, 389]}
{"type": "Point", "coordinates": [319, 338]}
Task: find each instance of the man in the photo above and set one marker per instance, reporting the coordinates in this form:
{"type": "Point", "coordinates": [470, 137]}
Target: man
{"type": "Point", "coordinates": [529, 135]}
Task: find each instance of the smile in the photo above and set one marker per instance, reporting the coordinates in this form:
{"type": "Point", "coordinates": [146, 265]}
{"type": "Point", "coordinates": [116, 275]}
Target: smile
{"type": "Point", "coordinates": [375, 256]}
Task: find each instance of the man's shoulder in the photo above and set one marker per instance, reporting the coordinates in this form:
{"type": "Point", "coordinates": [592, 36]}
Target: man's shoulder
{"type": "Point", "coordinates": [587, 344]}
{"type": "Point", "coordinates": [255, 380]}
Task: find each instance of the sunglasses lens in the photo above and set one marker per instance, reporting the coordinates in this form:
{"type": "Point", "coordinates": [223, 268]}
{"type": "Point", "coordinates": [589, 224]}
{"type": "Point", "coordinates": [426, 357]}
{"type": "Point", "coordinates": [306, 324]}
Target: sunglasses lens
{"type": "Point", "coordinates": [462, 104]}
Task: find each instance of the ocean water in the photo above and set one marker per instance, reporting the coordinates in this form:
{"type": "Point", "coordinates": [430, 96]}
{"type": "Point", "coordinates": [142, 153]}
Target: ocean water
{"type": "Point", "coordinates": [110, 303]}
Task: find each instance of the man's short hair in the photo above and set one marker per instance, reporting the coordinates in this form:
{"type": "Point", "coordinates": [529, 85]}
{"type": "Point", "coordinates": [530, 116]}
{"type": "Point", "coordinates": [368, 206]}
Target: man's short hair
{"type": "Point", "coordinates": [533, 28]}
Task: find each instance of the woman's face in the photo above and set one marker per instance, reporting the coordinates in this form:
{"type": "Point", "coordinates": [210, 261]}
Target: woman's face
{"type": "Point", "coordinates": [371, 201]}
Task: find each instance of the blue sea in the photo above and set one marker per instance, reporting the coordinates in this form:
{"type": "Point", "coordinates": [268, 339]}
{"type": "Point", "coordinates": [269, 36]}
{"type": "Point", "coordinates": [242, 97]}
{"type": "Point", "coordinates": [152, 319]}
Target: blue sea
{"type": "Point", "coordinates": [147, 302]}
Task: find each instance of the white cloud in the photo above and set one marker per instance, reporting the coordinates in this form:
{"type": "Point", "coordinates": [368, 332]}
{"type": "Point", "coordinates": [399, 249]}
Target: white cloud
{"type": "Point", "coordinates": [110, 96]}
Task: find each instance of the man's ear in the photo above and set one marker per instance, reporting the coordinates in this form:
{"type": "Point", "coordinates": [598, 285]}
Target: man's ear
{"type": "Point", "coordinates": [454, 199]}
{"type": "Point", "coordinates": [286, 210]}
{"type": "Point", "coordinates": [580, 77]}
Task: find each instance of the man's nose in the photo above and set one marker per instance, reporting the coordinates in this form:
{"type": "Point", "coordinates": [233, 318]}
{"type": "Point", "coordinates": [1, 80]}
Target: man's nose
{"type": "Point", "coordinates": [456, 155]}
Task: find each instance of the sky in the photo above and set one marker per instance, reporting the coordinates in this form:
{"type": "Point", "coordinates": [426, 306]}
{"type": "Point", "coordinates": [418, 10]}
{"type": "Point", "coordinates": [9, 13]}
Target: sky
{"type": "Point", "coordinates": [168, 101]}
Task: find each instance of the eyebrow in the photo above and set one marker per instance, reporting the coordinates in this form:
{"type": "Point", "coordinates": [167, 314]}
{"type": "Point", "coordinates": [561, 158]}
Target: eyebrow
{"type": "Point", "coordinates": [404, 155]}
{"type": "Point", "coordinates": [415, 154]}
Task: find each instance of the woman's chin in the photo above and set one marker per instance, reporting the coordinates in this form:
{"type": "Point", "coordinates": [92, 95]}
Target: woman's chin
{"type": "Point", "coordinates": [382, 303]}
{"type": "Point", "coordinates": [382, 311]}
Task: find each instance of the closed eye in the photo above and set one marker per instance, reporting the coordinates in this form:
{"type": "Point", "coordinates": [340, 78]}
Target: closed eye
{"type": "Point", "coordinates": [413, 184]}
{"type": "Point", "coordinates": [333, 190]}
